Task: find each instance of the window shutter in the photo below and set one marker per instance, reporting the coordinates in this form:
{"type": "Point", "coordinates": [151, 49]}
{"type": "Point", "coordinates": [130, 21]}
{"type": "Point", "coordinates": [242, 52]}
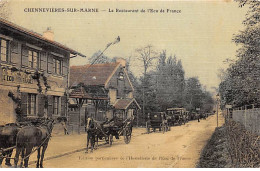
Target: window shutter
{"type": "Point", "coordinates": [65, 67]}
{"type": "Point", "coordinates": [24, 97]}
{"type": "Point", "coordinates": [43, 61]}
{"type": "Point", "coordinates": [50, 106]}
{"type": "Point", "coordinates": [41, 103]}
{"type": "Point", "coordinates": [50, 64]}
{"type": "Point", "coordinates": [24, 56]}
{"type": "Point", "coordinates": [14, 58]}
{"type": "Point", "coordinates": [63, 105]}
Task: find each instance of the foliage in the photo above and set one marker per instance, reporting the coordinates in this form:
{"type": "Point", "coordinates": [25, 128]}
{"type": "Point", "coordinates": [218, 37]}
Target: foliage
{"type": "Point", "coordinates": [18, 102]}
{"type": "Point", "coordinates": [166, 87]}
{"type": "Point", "coordinates": [240, 85]}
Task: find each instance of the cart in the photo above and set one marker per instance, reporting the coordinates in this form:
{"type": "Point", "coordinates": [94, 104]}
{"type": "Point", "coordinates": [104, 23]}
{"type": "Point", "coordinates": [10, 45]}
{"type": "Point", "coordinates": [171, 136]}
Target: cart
{"type": "Point", "coordinates": [176, 116]}
{"type": "Point", "coordinates": [157, 120]}
{"type": "Point", "coordinates": [116, 129]}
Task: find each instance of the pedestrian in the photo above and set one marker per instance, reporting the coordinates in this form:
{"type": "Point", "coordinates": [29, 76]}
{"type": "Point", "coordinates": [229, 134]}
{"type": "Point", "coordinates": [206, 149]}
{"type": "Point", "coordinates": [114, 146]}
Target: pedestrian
{"type": "Point", "coordinates": [64, 125]}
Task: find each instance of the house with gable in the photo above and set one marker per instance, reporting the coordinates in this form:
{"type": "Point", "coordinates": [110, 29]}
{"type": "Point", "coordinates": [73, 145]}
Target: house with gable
{"type": "Point", "coordinates": [102, 91]}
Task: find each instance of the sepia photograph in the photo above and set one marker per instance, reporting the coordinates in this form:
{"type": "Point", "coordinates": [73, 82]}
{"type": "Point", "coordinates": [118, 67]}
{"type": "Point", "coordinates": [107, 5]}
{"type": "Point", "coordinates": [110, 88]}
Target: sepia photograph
{"type": "Point", "coordinates": [129, 84]}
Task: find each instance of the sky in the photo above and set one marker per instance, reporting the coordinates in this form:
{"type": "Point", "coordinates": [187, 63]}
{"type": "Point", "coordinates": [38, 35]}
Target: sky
{"type": "Point", "coordinates": [200, 36]}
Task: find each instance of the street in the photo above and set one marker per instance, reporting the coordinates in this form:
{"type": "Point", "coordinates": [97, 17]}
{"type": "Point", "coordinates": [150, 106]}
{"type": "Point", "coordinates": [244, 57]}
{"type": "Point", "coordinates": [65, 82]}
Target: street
{"type": "Point", "coordinates": [178, 148]}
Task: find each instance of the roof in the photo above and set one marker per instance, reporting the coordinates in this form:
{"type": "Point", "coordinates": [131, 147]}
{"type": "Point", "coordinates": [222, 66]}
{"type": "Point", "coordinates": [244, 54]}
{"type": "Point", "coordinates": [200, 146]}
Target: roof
{"type": "Point", "coordinates": [81, 93]}
{"type": "Point", "coordinates": [98, 74]}
{"type": "Point", "coordinates": [38, 36]}
{"type": "Point", "coordinates": [125, 103]}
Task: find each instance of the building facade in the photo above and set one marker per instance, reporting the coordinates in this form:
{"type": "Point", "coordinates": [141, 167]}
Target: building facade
{"type": "Point", "coordinates": [34, 74]}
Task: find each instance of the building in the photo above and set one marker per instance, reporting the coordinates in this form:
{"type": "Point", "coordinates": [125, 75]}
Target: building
{"type": "Point", "coordinates": [102, 91]}
{"type": "Point", "coordinates": [33, 74]}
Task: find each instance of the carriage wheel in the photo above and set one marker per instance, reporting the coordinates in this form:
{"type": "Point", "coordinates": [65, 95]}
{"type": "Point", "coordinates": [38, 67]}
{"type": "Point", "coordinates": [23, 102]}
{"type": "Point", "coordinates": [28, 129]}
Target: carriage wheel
{"type": "Point", "coordinates": [127, 135]}
{"type": "Point", "coordinates": [110, 139]}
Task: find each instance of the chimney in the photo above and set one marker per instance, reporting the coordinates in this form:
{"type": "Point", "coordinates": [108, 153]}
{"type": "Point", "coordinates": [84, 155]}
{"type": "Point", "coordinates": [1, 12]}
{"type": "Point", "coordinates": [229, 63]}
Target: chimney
{"type": "Point", "coordinates": [122, 61]}
{"type": "Point", "coordinates": [48, 34]}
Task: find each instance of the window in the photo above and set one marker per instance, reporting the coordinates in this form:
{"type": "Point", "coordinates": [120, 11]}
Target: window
{"type": "Point", "coordinates": [56, 105]}
{"type": "Point", "coordinates": [31, 104]}
{"type": "Point", "coordinates": [33, 59]}
{"type": "Point", "coordinates": [4, 50]}
{"type": "Point", "coordinates": [57, 66]}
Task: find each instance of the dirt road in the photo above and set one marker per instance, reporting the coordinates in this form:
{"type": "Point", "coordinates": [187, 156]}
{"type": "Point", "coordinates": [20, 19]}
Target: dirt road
{"type": "Point", "coordinates": [179, 147]}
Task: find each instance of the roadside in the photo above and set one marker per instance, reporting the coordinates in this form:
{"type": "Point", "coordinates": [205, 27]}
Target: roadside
{"type": "Point", "coordinates": [231, 146]}
{"type": "Point", "coordinates": [215, 153]}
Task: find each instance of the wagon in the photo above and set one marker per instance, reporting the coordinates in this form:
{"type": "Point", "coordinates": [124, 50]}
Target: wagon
{"type": "Point", "coordinates": [176, 115]}
{"type": "Point", "coordinates": [117, 129]}
{"type": "Point", "coordinates": [157, 120]}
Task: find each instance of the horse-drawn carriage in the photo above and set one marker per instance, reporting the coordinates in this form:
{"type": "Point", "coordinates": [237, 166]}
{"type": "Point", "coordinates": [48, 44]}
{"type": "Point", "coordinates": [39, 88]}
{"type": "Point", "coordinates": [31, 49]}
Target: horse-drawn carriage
{"type": "Point", "coordinates": [157, 120]}
{"type": "Point", "coordinates": [177, 115]}
{"type": "Point", "coordinates": [115, 127]}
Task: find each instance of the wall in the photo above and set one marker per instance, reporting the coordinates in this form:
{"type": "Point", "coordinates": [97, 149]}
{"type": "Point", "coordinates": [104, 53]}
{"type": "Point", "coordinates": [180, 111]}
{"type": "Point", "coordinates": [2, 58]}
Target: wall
{"type": "Point", "coordinates": [7, 112]}
{"type": "Point", "coordinates": [112, 96]}
{"type": "Point", "coordinates": [250, 118]}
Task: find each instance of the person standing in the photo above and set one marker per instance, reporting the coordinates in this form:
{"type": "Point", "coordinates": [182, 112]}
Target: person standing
{"type": "Point", "coordinates": [64, 125]}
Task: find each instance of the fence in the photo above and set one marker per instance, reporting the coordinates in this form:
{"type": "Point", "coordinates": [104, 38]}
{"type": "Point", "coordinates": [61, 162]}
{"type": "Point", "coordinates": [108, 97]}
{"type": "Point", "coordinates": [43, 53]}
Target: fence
{"type": "Point", "coordinates": [250, 118]}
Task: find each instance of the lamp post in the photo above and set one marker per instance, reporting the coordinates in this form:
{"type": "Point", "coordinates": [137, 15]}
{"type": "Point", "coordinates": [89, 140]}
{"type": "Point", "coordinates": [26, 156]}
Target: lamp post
{"type": "Point", "coordinates": [217, 98]}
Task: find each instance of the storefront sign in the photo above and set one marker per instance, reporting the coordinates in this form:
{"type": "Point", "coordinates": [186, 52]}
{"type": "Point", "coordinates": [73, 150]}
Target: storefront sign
{"type": "Point", "coordinates": [16, 77]}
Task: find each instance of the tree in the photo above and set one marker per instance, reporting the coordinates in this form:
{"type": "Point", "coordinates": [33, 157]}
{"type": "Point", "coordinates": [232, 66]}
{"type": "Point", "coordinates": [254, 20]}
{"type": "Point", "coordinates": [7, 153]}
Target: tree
{"type": "Point", "coordinates": [241, 85]}
{"type": "Point", "coordinates": [170, 82]}
{"type": "Point", "coordinates": [146, 54]}
{"type": "Point", "coordinates": [103, 59]}
{"type": "Point", "coordinates": [194, 94]}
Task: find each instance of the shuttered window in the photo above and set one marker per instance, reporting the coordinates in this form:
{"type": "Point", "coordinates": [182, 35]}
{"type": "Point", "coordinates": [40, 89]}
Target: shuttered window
{"type": "Point", "coordinates": [4, 50]}
{"type": "Point", "coordinates": [31, 104]}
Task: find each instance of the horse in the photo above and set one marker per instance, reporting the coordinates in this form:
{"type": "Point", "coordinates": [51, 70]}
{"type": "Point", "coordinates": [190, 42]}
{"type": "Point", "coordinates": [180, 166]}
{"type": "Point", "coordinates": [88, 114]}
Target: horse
{"type": "Point", "coordinates": [8, 135]}
{"type": "Point", "coordinates": [33, 136]}
{"type": "Point", "coordinates": [94, 131]}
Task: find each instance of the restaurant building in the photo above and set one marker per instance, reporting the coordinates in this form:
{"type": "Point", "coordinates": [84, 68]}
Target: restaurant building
{"type": "Point", "coordinates": [34, 74]}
